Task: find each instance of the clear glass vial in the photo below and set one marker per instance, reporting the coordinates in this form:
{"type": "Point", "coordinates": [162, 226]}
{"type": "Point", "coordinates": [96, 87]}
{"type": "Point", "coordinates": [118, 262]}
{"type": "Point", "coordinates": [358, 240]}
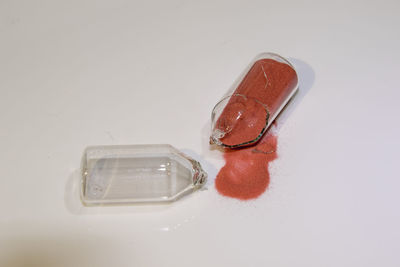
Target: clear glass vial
{"type": "Point", "coordinates": [137, 174]}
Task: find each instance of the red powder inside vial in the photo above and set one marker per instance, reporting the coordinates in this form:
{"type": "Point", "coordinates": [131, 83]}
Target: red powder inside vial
{"type": "Point", "coordinates": [268, 82]}
{"type": "Point", "coordinates": [245, 174]}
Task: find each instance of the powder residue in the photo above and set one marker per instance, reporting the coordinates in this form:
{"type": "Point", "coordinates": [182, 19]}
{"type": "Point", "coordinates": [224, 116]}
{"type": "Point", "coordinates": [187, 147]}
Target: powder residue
{"type": "Point", "coordinates": [245, 174]}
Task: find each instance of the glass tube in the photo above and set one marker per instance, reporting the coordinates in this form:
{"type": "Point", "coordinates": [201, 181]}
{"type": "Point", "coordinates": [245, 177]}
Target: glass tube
{"type": "Point", "coordinates": [243, 116]}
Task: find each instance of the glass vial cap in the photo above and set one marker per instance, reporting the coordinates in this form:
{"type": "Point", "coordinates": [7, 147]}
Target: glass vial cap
{"type": "Point", "coordinates": [137, 174]}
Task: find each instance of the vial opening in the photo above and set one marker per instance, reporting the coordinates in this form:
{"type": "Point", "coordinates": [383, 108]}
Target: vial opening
{"type": "Point", "coordinates": [238, 120]}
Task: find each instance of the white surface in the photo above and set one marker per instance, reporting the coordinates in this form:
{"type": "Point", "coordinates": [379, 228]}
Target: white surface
{"type": "Point", "coordinates": [79, 73]}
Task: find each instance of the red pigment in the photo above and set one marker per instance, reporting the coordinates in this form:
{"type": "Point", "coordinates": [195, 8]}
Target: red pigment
{"type": "Point", "coordinates": [268, 82]}
{"type": "Point", "coordinates": [245, 174]}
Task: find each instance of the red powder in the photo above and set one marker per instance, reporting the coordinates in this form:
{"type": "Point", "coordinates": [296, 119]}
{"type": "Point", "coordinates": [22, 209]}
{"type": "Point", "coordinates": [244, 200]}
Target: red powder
{"type": "Point", "coordinates": [245, 174]}
{"type": "Point", "coordinates": [266, 86]}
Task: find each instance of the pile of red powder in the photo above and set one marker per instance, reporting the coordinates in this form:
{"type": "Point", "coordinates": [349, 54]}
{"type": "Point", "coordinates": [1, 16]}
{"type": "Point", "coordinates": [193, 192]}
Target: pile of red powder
{"type": "Point", "coordinates": [245, 174]}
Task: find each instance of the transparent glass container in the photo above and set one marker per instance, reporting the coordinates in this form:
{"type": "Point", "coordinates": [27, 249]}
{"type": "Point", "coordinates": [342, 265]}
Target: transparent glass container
{"type": "Point", "coordinates": [257, 97]}
{"type": "Point", "coordinates": [137, 174]}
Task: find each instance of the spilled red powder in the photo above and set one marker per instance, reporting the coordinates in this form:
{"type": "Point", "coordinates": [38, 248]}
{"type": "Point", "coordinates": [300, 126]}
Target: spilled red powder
{"type": "Point", "coordinates": [245, 174]}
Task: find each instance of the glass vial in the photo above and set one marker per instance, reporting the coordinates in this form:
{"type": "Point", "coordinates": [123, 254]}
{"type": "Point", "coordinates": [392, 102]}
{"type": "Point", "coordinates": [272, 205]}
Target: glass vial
{"type": "Point", "coordinates": [137, 173]}
{"type": "Point", "coordinates": [261, 92]}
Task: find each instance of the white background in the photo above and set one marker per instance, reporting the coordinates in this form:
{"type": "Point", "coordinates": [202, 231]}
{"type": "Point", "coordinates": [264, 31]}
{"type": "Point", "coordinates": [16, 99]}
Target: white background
{"type": "Point", "coordinates": [79, 73]}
